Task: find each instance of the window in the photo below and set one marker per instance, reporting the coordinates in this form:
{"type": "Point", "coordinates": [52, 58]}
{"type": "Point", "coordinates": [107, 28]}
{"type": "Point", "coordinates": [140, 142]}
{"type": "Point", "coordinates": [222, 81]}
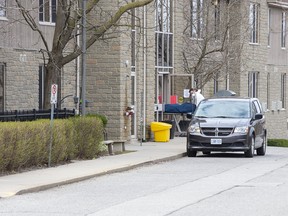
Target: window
{"type": "Point", "coordinates": [163, 16]}
{"type": "Point", "coordinates": [253, 84]}
{"type": "Point", "coordinates": [216, 84]}
{"type": "Point", "coordinates": [227, 84]}
{"type": "Point", "coordinates": [283, 30]}
{"type": "Point", "coordinates": [254, 109]}
{"type": "Point", "coordinates": [283, 90]}
{"type": "Point", "coordinates": [163, 35]}
{"type": "Point", "coordinates": [2, 86]}
{"type": "Point", "coordinates": [133, 39]}
{"type": "Point", "coordinates": [217, 21]}
{"type": "Point", "coordinates": [3, 5]}
{"type": "Point", "coordinates": [269, 27]}
{"type": "Point", "coordinates": [163, 50]}
{"type": "Point", "coordinates": [41, 86]}
{"type": "Point", "coordinates": [47, 11]}
{"type": "Point", "coordinates": [254, 22]}
{"type": "Point", "coordinates": [197, 19]}
{"type": "Point", "coordinates": [258, 106]}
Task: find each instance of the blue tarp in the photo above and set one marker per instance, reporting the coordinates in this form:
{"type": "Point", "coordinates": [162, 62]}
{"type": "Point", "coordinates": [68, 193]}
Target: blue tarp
{"type": "Point", "coordinates": [180, 108]}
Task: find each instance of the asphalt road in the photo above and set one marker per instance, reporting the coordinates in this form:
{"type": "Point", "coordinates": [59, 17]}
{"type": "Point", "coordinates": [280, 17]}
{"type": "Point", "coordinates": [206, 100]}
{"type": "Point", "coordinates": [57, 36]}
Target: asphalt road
{"type": "Point", "coordinates": [218, 185]}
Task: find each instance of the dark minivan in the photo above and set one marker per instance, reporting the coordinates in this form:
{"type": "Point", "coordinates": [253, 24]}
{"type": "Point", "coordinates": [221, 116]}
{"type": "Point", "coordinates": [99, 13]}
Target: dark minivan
{"type": "Point", "coordinates": [227, 124]}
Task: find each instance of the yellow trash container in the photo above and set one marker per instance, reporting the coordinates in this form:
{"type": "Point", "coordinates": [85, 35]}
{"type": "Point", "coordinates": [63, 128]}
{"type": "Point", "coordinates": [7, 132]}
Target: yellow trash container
{"type": "Point", "coordinates": [161, 131]}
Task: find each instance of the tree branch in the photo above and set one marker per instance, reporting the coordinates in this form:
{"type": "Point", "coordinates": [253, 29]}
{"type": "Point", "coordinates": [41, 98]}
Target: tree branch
{"type": "Point", "coordinates": [33, 25]}
{"type": "Point", "coordinates": [100, 31]}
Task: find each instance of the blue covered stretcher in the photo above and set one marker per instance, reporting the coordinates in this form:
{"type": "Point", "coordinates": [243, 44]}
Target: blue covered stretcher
{"type": "Point", "coordinates": [179, 109]}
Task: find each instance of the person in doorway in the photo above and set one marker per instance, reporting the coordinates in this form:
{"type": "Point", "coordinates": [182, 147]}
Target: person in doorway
{"type": "Point", "coordinates": [196, 96]}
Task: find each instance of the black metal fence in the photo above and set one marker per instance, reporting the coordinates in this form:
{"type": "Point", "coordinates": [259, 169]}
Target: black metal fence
{"type": "Point", "coordinates": [30, 115]}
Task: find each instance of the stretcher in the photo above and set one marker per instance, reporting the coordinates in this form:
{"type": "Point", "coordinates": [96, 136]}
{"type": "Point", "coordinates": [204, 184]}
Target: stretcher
{"type": "Point", "coordinates": [178, 113]}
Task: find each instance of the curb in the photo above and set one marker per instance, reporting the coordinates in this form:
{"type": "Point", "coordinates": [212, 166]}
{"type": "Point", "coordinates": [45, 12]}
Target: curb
{"type": "Point", "coordinates": [83, 178]}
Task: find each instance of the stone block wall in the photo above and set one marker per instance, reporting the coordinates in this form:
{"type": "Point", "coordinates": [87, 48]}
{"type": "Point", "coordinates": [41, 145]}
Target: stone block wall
{"type": "Point", "coordinates": [22, 79]}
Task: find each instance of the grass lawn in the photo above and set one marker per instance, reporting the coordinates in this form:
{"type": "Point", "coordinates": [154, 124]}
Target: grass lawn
{"type": "Point", "coordinates": [278, 142]}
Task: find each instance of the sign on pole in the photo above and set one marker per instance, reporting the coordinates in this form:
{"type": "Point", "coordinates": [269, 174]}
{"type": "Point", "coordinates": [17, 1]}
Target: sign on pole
{"type": "Point", "coordinates": [53, 101]}
{"type": "Point", "coordinates": [54, 89]}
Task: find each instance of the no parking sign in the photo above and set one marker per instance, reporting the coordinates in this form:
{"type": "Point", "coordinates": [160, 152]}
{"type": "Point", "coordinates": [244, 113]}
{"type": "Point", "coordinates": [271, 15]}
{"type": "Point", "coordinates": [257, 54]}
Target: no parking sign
{"type": "Point", "coordinates": [54, 89]}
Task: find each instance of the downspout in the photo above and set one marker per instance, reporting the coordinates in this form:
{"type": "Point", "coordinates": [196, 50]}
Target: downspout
{"type": "Point", "coordinates": [173, 50]}
{"type": "Point", "coordinates": [144, 71]}
{"type": "Point", "coordinates": [77, 93]}
{"type": "Point", "coordinates": [228, 58]}
{"type": "Point", "coordinates": [78, 72]}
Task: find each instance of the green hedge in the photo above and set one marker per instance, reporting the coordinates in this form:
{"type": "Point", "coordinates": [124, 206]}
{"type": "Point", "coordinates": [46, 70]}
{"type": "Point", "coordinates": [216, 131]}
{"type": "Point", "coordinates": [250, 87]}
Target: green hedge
{"type": "Point", "coordinates": [26, 144]}
{"type": "Point", "coordinates": [278, 142]}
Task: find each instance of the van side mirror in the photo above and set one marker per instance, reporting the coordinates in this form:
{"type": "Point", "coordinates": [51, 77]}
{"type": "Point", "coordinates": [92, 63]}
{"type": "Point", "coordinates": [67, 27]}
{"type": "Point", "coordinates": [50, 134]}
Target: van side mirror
{"type": "Point", "coordinates": [258, 116]}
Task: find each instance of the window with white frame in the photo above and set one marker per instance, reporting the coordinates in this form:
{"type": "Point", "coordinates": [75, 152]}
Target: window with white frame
{"type": "Point", "coordinates": [269, 26]}
{"type": "Point", "coordinates": [47, 11]}
{"type": "Point", "coordinates": [283, 90]}
{"type": "Point", "coordinates": [254, 22]}
{"type": "Point", "coordinates": [3, 5]}
{"type": "Point", "coordinates": [283, 30]}
{"type": "Point", "coordinates": [41, 86]}
{"type": "Point", "coordinates": [163, 34]}
{"type": "Point", "coordinates": [163, 49]}
{"type": "Point", "coordinates": [2, 86]}
{"type": "Point", "coordinates": [197, 19]}
{"type": "Point", "coordinates": [253, 84]}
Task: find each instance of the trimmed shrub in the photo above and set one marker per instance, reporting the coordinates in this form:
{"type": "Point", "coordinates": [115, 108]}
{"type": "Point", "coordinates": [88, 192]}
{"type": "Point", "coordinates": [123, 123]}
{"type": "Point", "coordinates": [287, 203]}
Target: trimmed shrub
{"type": "Point", "coordinates": [88, 137]}
{"type": "Point", "coordinates": [20, 145]}
{"type": "Point", "coordinates": [27, 144]}
{"type": "Point", "coordinates": [102, 117]}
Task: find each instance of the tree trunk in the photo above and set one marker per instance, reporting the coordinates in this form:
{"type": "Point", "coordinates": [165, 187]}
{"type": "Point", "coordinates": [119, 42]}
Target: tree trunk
{"type": "Point", "coordinates": [52, 76]}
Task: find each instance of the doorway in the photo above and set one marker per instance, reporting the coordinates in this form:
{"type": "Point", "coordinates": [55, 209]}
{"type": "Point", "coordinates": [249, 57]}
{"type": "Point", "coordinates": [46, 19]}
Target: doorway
{"type": "Point", "coordinates": [162, 93]}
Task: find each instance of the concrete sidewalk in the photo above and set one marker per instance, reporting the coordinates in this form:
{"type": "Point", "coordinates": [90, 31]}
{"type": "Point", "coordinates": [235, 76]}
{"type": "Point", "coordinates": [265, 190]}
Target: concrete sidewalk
{"type": "Point", "coordinates": [148, 152]}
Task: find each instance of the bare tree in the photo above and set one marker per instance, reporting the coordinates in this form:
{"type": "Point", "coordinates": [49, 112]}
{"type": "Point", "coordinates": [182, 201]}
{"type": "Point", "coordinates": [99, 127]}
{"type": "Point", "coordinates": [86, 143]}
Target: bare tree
{"type": "Point", "coordinates": [214, 39]}
{"type": "Point", "coordinates": [64, 47]}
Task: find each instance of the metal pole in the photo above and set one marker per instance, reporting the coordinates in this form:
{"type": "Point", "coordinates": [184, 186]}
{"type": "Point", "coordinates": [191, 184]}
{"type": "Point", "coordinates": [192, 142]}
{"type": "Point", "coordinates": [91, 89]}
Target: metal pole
{"type": "Point", "coordinates": [51, 134]}
{"type": "Point", "coordinates": [141, 118]}
{"type": "Point", "coordinates": [83, 58]}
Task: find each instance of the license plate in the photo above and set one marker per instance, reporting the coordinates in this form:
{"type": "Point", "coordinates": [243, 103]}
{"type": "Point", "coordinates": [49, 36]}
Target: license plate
{"type": "Point", "coordinates": [216, 141]}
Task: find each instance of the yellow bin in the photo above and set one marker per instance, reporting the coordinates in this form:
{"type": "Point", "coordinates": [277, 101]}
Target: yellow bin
{"type": "Point", "coordinates": [161, 131]}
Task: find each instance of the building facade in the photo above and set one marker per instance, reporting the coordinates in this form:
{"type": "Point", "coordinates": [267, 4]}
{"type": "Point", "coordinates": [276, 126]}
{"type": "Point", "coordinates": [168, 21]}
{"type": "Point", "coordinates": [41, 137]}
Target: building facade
{"type": "Point", "coordinates": [253, 60]}
{"type": "Point", "coordinates": [157, 52]}
{"type": "Point", "coordinates": [243, 48]}
{"type": "Point", "coordinates": [22, 63]}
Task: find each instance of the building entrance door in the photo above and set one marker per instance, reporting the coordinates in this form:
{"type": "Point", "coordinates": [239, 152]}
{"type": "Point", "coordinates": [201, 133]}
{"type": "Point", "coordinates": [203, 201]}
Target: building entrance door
{"type": "Point", "coordinates": [162, 92]}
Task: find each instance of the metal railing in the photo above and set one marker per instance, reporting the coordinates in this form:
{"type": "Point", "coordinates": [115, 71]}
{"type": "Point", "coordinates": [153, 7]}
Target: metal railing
{"type": "Point", "coordinates": [30, 115]}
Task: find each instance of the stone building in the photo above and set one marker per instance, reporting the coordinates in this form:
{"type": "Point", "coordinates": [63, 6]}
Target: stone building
{"type": "Point", "coordinates": [253, 61]}
{"type": "Point", "coordinates": [153, 55]}
{"type": "Point", "coordinates": [258, 68]}
{"type": "Point", "coordinates": [22, 64]}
